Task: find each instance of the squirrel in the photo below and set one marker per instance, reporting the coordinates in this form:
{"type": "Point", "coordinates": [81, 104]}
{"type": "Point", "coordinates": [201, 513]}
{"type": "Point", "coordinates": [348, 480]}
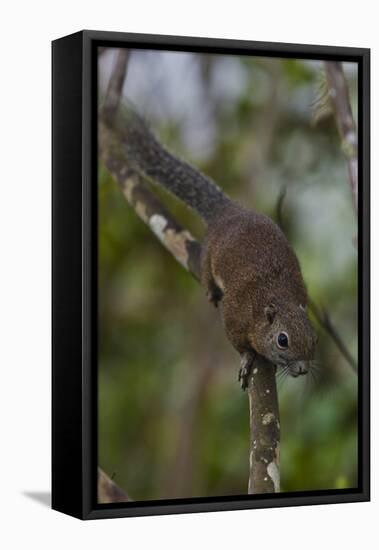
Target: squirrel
{"type": "Point", "coordinates": [248, 267]}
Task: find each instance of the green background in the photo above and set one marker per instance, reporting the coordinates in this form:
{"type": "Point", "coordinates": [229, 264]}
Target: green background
{"type": "Point", "coordinates": [173, 421]}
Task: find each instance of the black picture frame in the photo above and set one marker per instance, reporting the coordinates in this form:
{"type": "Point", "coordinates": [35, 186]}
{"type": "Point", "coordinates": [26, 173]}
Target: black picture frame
{"type": "Point", "coordinates": [74, 294]}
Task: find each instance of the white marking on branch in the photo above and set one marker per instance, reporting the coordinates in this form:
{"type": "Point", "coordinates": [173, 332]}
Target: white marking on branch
{"type": "Point", "coordinates": [273, 472]}
{"type": "Point", "coordinates": [173, 240]}
{"type": "Point", "coordinates": [268, 418]}
{"type": "Point", "coordinates": [158, 224]}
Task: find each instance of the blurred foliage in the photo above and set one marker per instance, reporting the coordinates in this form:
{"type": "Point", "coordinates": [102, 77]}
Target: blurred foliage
{"type": "Point", "coordinates": [172, 419]}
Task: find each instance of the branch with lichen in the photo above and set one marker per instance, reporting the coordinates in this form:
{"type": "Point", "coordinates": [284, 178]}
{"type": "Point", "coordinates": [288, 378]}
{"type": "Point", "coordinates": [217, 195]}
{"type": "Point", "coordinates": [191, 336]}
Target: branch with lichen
{"type": "Point", "coordinates": [178, 241]}
{"type": "Point", "coordinates": [264, 471]}
{"type": "Point", "coordinates": [262, 392]}
{"type": "Point", "coordinates": [339, 96]}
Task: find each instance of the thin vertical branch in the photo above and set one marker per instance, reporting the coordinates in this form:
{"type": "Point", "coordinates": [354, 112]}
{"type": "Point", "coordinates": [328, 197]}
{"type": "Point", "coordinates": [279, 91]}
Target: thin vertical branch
{"type": "Point", "coordinates": [325, 322]}
{"type": "Point", "coordinates": [279, 207]}
{"type": "Point", "coordinates": [115, 86]}
{"type": "Point", "coordinates": [264, 472]}
{"type": "Point", "coordinates": [339, 96]}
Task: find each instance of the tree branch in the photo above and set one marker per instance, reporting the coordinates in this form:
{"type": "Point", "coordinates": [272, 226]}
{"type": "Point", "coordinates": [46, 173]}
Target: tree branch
{"type": "Point", "coordinates": [115, 86]}
{"type": "Point", "coordinates": [264, 473]}
{"type": "Point", "coordinates": [178, 241]}
{"type": "Point", "coordinates": [108, 491]}
{"type": "Point", "coordinates": [325, 322]}
{"type": "Point", "coordinates": [279, 207]}
{"type": "Point", "coordinates": [181, 244]}
{"type": "Point", "coordinates": [263, 401]}
{"type": "Point", "coordinates": [339, 95]}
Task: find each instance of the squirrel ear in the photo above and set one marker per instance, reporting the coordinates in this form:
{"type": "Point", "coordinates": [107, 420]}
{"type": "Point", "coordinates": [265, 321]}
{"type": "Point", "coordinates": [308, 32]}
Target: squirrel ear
{"type": "Point", "coordinates": [270, 312]}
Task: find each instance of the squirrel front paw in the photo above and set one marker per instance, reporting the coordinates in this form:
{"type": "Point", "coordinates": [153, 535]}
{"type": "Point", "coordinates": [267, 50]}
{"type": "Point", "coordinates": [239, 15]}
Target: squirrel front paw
{"type": "Point", "coordinates": [215, 295]}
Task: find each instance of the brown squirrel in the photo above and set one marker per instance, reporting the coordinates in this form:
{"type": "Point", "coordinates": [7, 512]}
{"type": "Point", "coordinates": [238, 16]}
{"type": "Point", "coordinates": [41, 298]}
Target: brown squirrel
{"type": "Point", "coordinates": [247, 264]}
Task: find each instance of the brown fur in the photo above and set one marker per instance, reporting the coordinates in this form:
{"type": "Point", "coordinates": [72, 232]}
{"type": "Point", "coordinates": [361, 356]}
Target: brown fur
{"type": "Point", "coordinates": [249, 267]}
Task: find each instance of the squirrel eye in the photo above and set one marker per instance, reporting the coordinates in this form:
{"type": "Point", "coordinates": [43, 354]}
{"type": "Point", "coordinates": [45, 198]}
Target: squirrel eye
{"type": "Point", "coordinates": [282, 340]}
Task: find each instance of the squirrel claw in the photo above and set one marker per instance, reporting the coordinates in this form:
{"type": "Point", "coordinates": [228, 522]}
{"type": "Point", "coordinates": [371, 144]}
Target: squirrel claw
{"type": "Point", "coordinates": [243, 378]}
{"type": "Point", "coordinates": [245, 370]}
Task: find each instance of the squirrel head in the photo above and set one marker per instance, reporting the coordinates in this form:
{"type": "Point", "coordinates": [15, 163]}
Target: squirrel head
{"type": "Point", "coordinates": [285, 337]}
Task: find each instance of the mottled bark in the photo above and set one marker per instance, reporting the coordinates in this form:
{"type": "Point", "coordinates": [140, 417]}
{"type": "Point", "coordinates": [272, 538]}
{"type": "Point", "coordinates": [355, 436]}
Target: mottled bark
{"type": "Point", "coordinates": [108, 491]}
{"type": "Point", "coordinates": [339, 96]}
{"type": "Point", "coordinates": [172, 235]}
{"type": "Point", "coordinates": [264, 473]}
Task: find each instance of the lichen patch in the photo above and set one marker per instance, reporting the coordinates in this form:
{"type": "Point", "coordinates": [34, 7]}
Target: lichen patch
{"type": "Point", "coordinates": [268, 418]}
{"type": "Point", "coordinates": [273, 472]}
{"type": "Point", "coordinates": [158, 224]}
{"type": "Point", "coordinates": [128, 186]}
{"type": "Point", "coordinates": [175, 241]}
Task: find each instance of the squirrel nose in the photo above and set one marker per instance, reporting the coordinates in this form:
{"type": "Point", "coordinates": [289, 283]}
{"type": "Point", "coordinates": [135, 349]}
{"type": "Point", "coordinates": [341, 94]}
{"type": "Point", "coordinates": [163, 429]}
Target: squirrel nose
{"type": "Point", "coordinates": [299, 369]}
{"type": "Point", "coordinates": [302, 369]}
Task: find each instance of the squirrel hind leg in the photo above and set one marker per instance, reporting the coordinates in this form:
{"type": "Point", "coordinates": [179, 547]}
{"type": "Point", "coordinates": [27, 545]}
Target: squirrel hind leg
{"type": "Point", "coordinates": [214, 294]}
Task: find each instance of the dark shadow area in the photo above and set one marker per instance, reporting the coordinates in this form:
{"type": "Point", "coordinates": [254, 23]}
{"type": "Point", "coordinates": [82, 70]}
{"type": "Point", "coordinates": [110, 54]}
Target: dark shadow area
{"type": "Point", "coordinates": [42, 497]}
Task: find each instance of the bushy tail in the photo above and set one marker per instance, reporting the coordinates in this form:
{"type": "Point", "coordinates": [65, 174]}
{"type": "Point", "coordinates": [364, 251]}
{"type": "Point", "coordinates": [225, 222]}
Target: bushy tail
{"type": "Point", "coordinates": [151, 159]}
